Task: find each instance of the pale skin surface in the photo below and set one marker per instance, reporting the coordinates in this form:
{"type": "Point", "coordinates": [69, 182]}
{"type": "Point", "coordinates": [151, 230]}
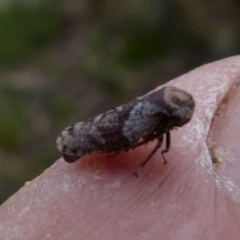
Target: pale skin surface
{"type": "Point", "coordinates": [99, 198]}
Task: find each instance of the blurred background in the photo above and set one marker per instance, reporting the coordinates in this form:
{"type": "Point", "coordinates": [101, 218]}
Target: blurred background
{"type": "Point", "coordinates": [64, 61]}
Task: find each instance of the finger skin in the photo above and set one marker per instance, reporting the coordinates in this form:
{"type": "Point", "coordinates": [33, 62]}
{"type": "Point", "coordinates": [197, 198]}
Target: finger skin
{"type": "Point", "coordinates": [188, 198]}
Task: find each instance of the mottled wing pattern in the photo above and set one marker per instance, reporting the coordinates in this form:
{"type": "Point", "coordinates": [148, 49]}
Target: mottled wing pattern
{"type": "Point", "coordinates": [116, 130]}
{"type": "Point", "coordinates": [143, 119]}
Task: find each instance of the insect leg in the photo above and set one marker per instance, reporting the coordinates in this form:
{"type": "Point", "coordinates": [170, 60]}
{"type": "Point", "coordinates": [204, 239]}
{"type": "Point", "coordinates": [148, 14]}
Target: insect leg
{"type": "Point", "coordinates": [168, 144]}
{"type": "Point", "coordinates": [149, 157]}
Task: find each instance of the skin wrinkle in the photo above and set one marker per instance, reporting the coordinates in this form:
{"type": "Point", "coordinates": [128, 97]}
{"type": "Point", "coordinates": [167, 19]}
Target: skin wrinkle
{"type": "Point", "coordinates": [215, 206]}
{"type": "Point", "coordinates": [224, 183]}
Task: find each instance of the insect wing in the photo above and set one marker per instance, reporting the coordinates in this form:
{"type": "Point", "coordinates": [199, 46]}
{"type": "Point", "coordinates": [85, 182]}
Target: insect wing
{"type": "Point", "coordinates": [114, 131]}
{"type": "Point", "coordinates": [143, 119]}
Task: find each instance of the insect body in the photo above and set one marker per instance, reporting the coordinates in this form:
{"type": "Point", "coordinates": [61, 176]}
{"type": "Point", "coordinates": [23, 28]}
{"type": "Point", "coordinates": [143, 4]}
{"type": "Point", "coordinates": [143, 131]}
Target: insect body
{"type": "Point", "coordinates": [130, 125]}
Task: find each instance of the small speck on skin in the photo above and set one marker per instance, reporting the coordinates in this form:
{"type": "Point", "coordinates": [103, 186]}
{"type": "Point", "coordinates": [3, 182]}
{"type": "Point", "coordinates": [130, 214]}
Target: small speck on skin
{"type": "Point", "coordinates": [27, 183]}
{"type": "Point", "coordinates": [113, 185]}
{"type": "Point", "coordinates": [218, 155]}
